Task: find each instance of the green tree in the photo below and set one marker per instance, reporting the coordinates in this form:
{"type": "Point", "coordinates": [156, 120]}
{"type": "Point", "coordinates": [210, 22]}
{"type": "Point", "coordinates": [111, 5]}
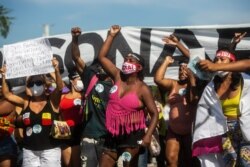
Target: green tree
{"type": "Point", "coordinates": [5, 21]}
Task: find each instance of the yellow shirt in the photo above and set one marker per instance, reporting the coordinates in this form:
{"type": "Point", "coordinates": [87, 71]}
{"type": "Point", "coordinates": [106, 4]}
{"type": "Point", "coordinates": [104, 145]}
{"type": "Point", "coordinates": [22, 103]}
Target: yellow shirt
{"type": "Point", "coordinates": [230, 107]}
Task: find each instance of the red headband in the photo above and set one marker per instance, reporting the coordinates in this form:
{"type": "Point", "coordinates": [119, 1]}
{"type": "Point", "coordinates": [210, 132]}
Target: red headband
{"type": "Point", "coordinates": [223, 53]}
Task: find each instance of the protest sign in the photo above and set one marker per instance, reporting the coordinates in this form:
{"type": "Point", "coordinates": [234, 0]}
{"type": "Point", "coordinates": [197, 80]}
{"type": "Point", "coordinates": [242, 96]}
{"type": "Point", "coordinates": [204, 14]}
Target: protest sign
{"type": "Point", "coordinates": [27, 58]}
{"type": "Point", "coordinates": [195, 56]}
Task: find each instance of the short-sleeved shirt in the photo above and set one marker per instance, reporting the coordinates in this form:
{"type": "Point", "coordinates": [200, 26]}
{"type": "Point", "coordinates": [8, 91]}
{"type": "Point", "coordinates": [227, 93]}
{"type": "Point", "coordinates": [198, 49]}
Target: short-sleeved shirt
{"type": "Point", "coordinates": [95, 110]}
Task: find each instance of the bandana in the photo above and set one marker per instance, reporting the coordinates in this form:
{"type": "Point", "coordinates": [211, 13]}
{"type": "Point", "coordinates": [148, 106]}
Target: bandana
{"type": "Point", "coordinates": [227, 54]}
{"type": "Point", "coordinates": [134, 55]}
{"type": "Point", "coordinates": [138, 58]}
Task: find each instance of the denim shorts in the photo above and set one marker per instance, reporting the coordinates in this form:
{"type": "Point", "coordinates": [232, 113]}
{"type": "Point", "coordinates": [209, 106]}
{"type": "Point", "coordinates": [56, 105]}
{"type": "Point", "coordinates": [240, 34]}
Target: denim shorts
{"type": "Point", "coordinates": [8, 146]}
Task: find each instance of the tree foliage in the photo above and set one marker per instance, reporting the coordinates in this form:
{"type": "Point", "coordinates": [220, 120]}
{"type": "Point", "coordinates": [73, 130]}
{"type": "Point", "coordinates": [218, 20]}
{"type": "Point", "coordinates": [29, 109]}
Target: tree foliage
{"type": "Point", "coordinates": [5, 21]}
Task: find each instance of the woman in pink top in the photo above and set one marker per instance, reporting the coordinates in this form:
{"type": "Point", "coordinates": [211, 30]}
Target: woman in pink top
{"type": "Point", "coordinates": [125, 117]}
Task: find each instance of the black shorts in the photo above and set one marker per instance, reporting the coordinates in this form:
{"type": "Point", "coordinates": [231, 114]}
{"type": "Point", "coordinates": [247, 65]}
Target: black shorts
{"type": "Point", "coordinates": [75, 139]}
{"type": "Point", "coordinates": [114, 143]}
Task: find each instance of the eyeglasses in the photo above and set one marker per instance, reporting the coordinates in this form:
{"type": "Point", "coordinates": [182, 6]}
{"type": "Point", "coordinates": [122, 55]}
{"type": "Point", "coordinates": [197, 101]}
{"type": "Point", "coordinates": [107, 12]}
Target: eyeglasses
{"type": "Point", "coordinates": [38, 83]}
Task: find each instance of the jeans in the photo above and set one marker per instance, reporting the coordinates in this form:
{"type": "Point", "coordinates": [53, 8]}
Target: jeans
{"type": "Point", "coordinates": [211, 160]}
{"type": "Point", "coordinates": [143, 158]}
{"type": "Point", "coordinates": [91, 150]}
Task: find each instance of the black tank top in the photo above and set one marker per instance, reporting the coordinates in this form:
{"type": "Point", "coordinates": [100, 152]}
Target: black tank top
{"type": "Point", "coordinates": [37, 128]}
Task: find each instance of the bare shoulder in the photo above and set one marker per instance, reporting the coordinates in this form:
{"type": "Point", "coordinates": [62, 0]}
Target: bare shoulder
{"type": "Point", "coordinates": [143, 88]}
{"type": "Point", "coordinates": [26, 102]}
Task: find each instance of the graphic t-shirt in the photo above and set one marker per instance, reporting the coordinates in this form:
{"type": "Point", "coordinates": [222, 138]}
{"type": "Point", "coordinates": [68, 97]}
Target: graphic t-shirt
{"type": "Point", "coordinates": [94, 112]}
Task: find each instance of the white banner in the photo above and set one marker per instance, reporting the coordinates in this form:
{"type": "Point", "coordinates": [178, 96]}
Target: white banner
{"type": "Point", "coordinates": [148, 42]}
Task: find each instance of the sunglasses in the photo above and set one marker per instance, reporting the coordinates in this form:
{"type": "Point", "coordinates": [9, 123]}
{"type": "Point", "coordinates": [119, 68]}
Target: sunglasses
{"type": "Point", "coordinates": [37, 83]}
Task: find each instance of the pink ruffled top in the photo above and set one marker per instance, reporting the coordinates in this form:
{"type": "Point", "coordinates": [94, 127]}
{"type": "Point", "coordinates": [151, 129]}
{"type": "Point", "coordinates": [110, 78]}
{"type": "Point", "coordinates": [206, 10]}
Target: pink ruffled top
{"type": "Point", "coordinates": [123, 114]}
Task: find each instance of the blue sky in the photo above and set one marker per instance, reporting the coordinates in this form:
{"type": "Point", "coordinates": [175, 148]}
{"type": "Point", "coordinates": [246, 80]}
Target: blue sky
{"type": "Point", "coordinates": [91, 15]}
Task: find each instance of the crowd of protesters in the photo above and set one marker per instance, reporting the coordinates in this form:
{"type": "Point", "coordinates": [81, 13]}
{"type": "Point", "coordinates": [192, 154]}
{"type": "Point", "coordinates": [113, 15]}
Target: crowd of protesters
{"type": "Point", "coordinates": [116, 119]}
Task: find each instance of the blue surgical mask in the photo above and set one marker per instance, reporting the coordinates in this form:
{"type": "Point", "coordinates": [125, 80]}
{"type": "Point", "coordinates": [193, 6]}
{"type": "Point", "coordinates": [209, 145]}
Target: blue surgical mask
{"type": "Point", "coordinates": [37, 90]}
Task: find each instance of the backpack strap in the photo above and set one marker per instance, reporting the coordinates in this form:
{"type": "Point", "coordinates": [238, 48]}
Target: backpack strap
{"type": "Point", "coordinates": [92, 83]}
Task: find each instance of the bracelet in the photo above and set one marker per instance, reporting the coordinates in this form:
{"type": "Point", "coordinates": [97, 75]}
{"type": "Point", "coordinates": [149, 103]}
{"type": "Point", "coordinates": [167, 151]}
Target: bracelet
{"type": "Point", "coordinates": [111, 35]}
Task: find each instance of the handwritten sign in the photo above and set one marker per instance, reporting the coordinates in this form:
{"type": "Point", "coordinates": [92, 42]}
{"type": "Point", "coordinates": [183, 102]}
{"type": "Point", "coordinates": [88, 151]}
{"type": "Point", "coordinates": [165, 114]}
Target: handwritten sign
{"type": "Point", "coordinates": [27, 58]}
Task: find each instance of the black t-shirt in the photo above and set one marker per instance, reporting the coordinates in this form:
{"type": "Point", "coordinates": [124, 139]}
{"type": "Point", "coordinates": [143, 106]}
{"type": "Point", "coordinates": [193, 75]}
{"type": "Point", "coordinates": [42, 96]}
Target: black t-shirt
{"type": "Point", "coordinates": [95, 110]}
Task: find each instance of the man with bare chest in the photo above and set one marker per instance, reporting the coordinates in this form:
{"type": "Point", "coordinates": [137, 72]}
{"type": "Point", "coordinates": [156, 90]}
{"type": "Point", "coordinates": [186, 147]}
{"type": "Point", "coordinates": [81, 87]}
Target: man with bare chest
{"type": "Point", "coordinates": [182, 111]}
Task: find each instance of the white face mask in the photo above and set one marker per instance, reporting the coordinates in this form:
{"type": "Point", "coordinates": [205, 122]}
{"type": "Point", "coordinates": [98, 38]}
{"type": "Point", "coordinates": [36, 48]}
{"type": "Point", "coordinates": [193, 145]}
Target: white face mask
{"type": "Point", "coordinates": [128, 68]}
{"type": "Point", "coordinates": [222, 74]}
{"type": "Point", "coordinates": [78, 86]}
{"type": "Point", "coordinates": [37, 90]}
